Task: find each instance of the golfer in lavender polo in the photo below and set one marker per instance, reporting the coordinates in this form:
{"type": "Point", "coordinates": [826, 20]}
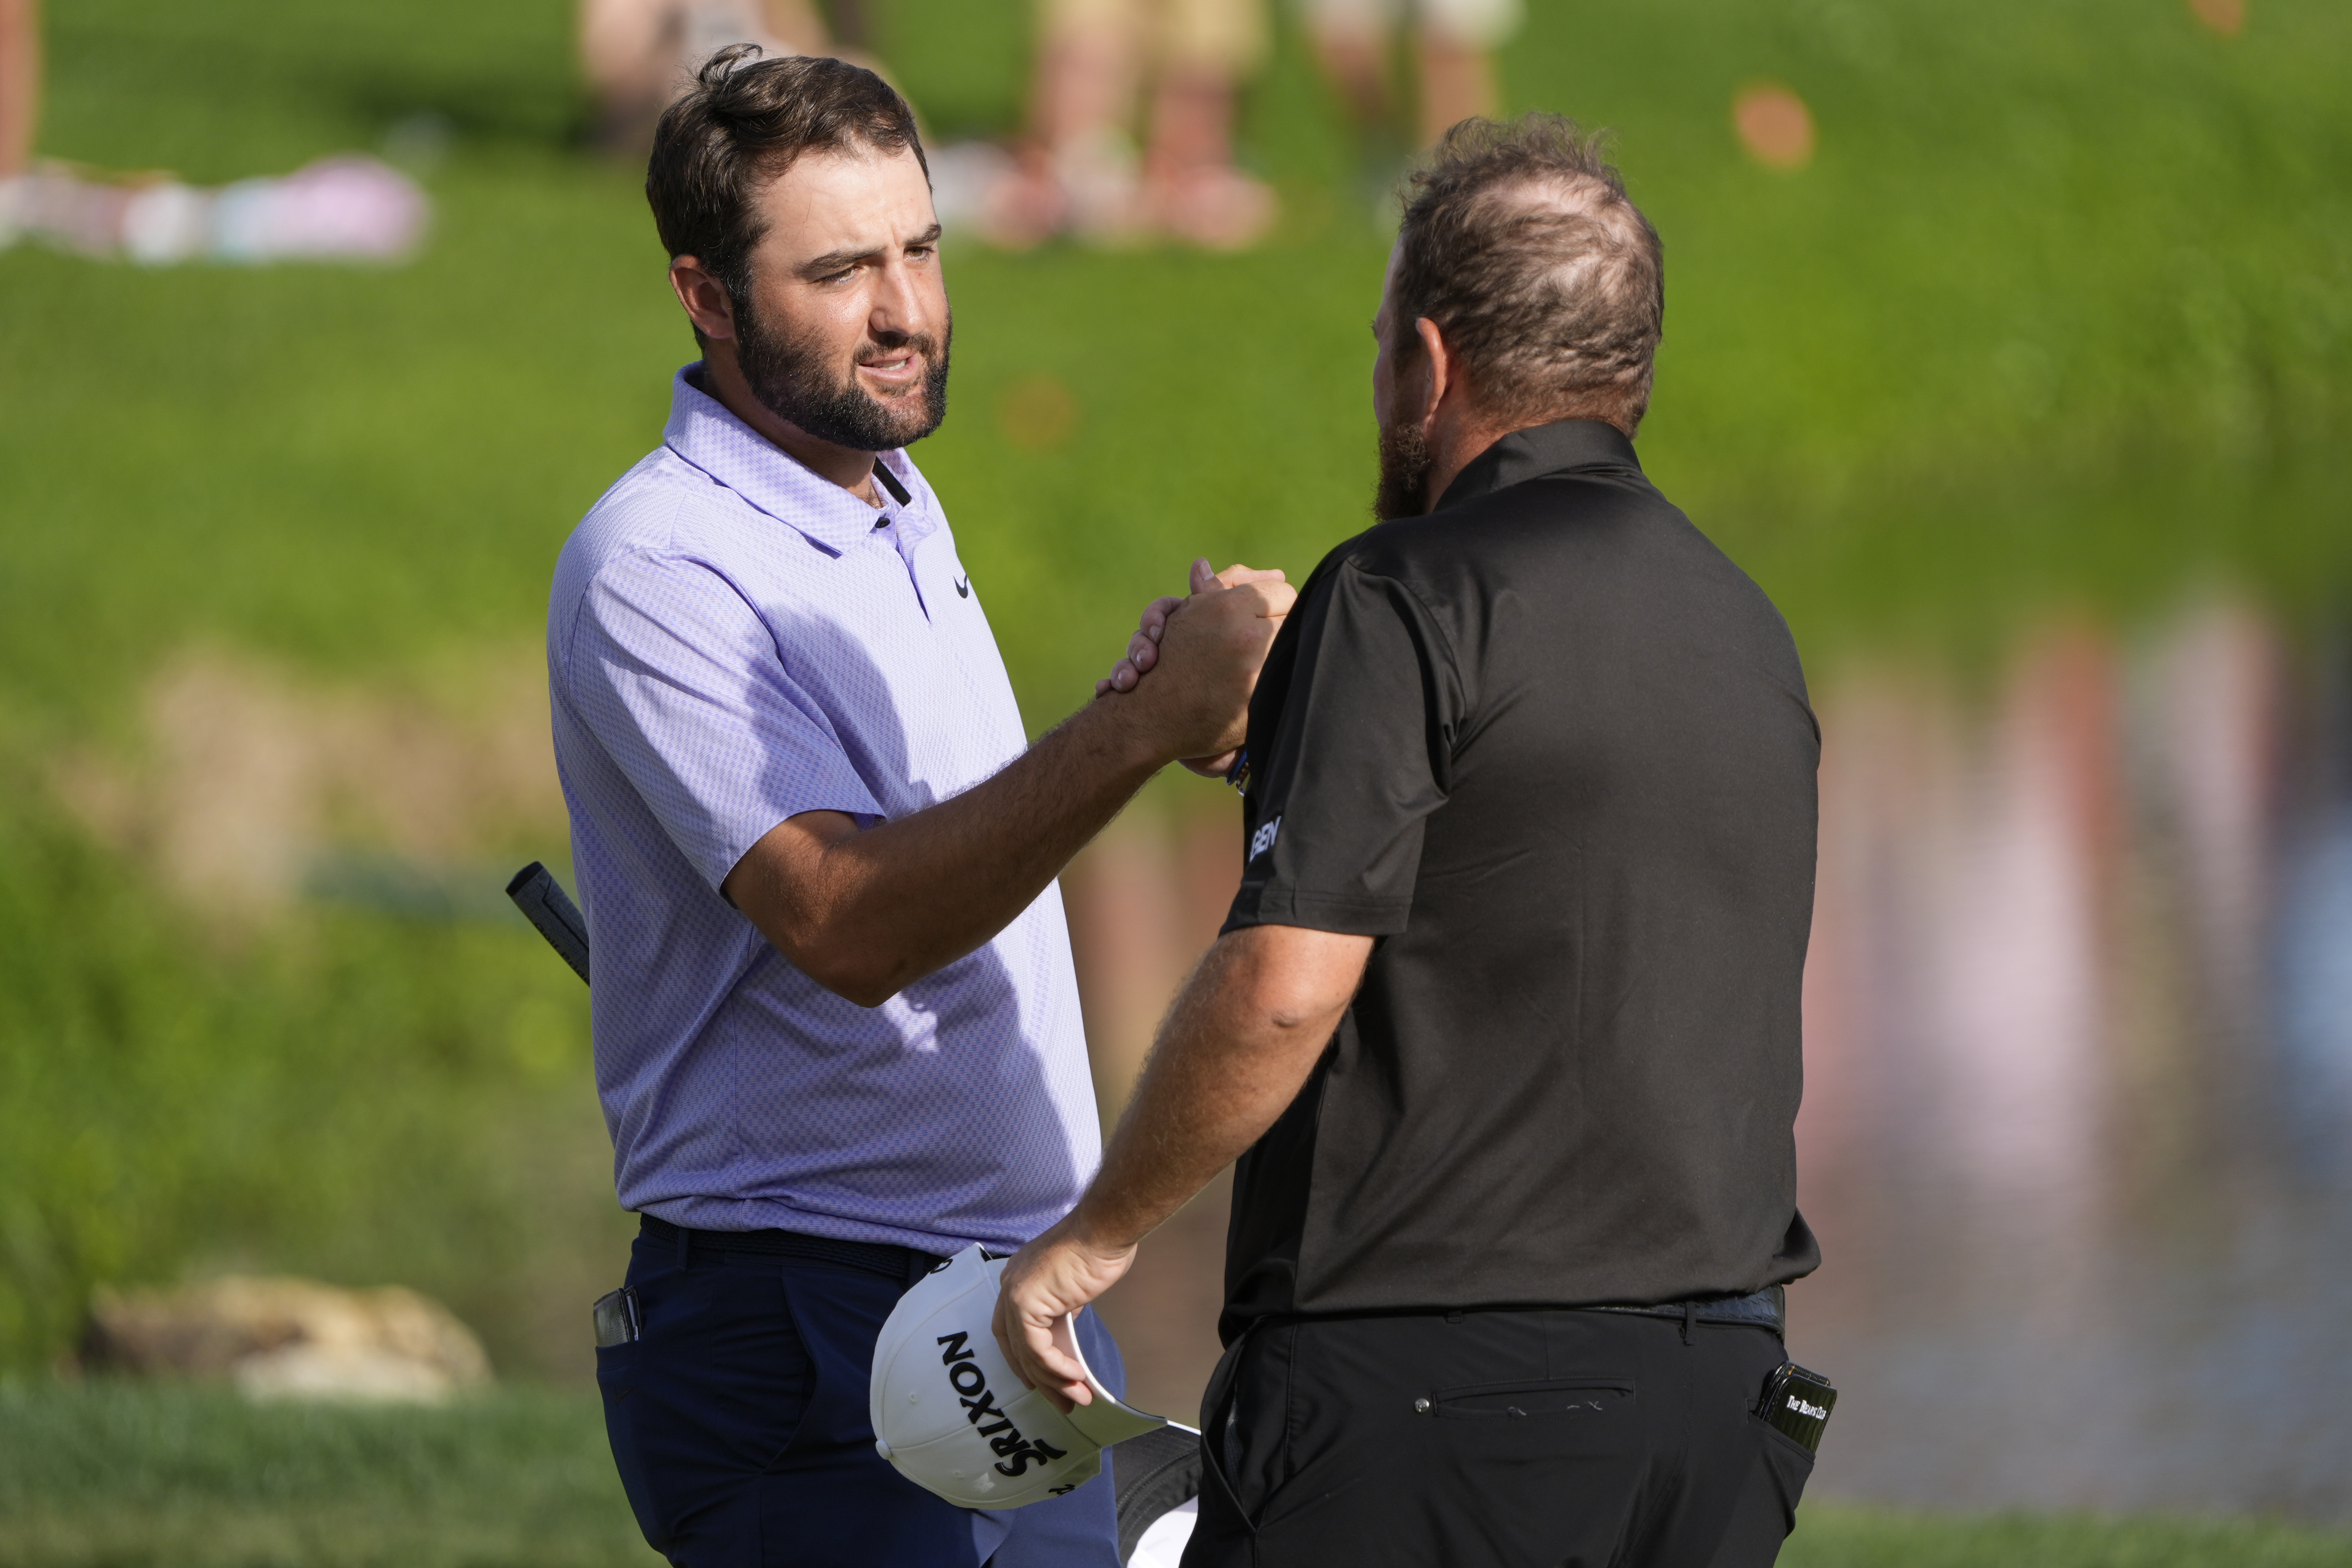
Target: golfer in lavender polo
{"type": "Point", "coordinates": [837, 1031]}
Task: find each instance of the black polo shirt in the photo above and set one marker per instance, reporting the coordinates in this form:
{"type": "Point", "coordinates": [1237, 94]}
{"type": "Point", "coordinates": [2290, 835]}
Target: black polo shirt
{"type": "Point", "coordinates": [1553, 749]}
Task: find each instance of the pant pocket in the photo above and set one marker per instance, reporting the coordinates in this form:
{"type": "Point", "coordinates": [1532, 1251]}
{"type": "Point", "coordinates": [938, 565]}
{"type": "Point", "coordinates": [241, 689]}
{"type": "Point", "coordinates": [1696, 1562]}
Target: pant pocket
{"type": "Point", "coordinates": [1788, 1463]}
{"type": "Point", "coordinates": [1583, 1397]}
{"type": "Point", "coordinates": [615, 1380]}
{"type": "Point", "coordinates": [1222, 1533]}
{"type": "Point", "coordinates": [1252, 1440]}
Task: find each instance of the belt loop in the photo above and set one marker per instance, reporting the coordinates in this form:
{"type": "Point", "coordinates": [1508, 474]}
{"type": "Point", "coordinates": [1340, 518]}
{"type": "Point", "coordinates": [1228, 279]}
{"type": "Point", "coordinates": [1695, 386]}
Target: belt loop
{"type": "Point", "coordinates": [685, 1249]}
{"type": "Point", "coordinates": [1690, 1316]}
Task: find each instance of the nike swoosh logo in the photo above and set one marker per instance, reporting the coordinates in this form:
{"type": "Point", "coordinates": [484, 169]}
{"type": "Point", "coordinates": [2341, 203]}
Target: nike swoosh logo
{"type": "Point", "coordinates": [963, 587]}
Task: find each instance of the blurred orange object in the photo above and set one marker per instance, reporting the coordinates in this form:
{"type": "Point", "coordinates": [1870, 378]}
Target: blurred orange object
{"type": "Point", "coordinates": [1036, 412]}
{"type": "Point", "coordinates": [1775, 126]}
{"type": "Point", "coordinates": [2227, 18]}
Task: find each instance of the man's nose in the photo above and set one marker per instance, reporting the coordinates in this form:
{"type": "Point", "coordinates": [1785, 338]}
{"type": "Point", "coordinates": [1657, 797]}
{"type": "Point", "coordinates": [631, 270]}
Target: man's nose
{"type": "Point", "coordinates": [897, 307]}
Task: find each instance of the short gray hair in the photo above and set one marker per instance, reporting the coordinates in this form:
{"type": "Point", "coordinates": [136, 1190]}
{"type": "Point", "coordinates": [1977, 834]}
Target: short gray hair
{"type": "Point", "coordinates": [1519, 242]}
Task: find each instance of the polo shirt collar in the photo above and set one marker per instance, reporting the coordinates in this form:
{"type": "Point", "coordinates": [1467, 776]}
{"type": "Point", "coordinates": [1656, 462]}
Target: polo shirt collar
{"type": "Point", "coordinates": [706, 433]}
{"type": "Point", "coordinates": [1537, 450]}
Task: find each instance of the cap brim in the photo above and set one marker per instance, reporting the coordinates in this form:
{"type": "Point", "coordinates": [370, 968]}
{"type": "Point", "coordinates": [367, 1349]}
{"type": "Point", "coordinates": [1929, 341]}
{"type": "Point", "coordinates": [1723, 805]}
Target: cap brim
{"type": "Point", "coordinates": [1110, 1419]}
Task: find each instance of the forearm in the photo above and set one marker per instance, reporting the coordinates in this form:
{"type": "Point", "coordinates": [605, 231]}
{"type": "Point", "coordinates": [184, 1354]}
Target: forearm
{"type": "Point", "coordinates": [1242, 1037]}
{"type": "Point", "coordinates": [869, 913]}
{"type": "Point", "coordinates": [1239, 1045]}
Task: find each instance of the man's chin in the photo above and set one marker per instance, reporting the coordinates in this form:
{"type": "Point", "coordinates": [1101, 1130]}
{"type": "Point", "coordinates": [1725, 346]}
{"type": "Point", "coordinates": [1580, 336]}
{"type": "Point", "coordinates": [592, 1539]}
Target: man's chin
{"type": "Point", "coordinates": [910, 411]}
{"type": "Point", "coordinates": [919, 423]}
{"type": "Point", "coordinates": [862, 424]}
{"type": "Point", "coordinates": [904, 415]}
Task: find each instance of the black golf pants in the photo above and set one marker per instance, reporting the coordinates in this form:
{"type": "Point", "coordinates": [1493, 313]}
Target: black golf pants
{"type": "Point", "coordinates": [1515, 1440]}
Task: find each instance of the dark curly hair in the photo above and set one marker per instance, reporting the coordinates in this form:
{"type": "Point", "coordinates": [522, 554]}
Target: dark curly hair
{"type": "Point", "coordinates": [1519, 242]}
{"type": "Point", "coordinates": [745, 122]}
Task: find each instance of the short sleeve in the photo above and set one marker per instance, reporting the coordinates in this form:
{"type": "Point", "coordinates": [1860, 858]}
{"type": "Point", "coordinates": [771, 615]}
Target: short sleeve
{"type": "Point", "coordinates": [681, 683]}
{"type": "Point", "coordinates": [1349, 758]}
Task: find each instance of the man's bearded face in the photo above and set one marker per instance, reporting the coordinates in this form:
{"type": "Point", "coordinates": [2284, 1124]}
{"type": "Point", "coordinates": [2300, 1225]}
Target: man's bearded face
{"type": "Point", "coordinates": [799, 379]}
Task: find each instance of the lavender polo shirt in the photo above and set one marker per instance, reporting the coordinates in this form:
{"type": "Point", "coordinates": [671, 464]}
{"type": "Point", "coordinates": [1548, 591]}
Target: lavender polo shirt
{"type": "Point", "coordinates": [731, 641]}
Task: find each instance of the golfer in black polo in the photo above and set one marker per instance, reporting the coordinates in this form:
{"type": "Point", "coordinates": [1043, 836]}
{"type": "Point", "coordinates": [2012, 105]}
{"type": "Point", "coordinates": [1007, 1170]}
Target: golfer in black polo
{"type": "Point", "coordinates": [1504, 1026]}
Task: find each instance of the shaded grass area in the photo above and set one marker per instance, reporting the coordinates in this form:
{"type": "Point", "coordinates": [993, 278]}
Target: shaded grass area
{"type": "Point", "coordinates": [109, 1475]}
{"type": "Point", "coordinates": [357, 1098]}
{"type": "Point", "coordinates": [116, 1477]}
{"type": "Point", "coordinates": [2059, 315]}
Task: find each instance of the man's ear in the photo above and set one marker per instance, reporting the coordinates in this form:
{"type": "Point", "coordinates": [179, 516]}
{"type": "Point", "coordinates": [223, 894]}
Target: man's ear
{"type": "Point", "coordinates": [708, 304]}
{"type": "Point", "coordinates": [1441, 372]}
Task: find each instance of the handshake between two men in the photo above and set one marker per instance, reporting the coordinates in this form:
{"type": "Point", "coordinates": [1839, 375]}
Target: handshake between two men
{"type": "Point", "coordinates": [867, 912]}
{"type": "Point", "coordinates": [1236, 612]}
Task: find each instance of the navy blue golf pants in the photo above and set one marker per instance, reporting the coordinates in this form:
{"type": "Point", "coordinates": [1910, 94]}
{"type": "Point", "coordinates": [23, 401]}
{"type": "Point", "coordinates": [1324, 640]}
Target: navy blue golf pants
{"type": "Point", "coordinates": [738, 1422]}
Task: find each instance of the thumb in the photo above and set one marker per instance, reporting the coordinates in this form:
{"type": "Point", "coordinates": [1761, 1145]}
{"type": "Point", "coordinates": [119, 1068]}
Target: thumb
{"type": "Point", "coordinates": [1204, 576]}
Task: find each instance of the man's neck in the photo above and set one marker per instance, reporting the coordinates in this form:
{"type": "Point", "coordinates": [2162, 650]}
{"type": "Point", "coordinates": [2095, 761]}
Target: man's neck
{"type": "Point", "coordinates": [852, 470]}
{"type": "Point", "coordinates": [1456, 444]}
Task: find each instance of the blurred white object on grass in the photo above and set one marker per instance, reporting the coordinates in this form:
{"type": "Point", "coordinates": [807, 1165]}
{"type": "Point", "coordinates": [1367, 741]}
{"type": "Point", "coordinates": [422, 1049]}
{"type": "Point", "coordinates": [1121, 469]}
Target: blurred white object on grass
{"type": "Point", "coordinates": [289, 1339]}
{"type": "Point", "coordinates": [348, 207]}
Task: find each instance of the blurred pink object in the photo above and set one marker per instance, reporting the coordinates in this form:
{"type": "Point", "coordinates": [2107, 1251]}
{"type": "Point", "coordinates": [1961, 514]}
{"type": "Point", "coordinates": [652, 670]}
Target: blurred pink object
{"type": "Point", "coordinates": [346, 206]}
{"type": "Point", "coordinates": [67, 211]}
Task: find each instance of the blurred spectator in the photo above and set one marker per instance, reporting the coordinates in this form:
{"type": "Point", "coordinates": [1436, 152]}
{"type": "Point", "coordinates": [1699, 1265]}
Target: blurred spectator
{"type": "Point", "coordinates": [852, 26]}
{"type": "Point", "coordinates": [1454, 53]}
{"type": "Point", "coordinates": [20, 85]}
{"type": "Point", "coordinates": [1079, 169]}
{"type": "Point", "coordinates": [640, 54]}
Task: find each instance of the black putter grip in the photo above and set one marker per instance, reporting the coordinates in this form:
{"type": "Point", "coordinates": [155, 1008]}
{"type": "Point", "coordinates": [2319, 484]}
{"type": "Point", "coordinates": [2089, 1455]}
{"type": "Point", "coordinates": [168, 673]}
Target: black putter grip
{"type": "Point", "coordinates": [544, 903]}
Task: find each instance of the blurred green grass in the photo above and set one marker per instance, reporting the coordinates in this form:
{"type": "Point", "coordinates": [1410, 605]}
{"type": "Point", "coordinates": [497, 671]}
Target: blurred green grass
{"type": "Point", "coordinates": [111, 1476]}
{"type": "Point", "coordinates": [2060, 316]}
{"type": "Point", "coordinates": [2046, 252]}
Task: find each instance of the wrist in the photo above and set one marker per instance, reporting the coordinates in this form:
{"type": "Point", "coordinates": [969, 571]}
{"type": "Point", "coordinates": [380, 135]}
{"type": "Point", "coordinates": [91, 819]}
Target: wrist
{"type": "Point", "coordinates": [1092, 1231]}
{"type": "Point", "coordinates": [1114, 726]}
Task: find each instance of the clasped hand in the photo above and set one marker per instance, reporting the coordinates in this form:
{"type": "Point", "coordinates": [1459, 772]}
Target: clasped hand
{"type": "Point", "coordinates": [1261, 597]}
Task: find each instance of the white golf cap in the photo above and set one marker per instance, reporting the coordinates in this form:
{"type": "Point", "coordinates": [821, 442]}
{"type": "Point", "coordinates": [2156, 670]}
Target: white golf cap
{"type": "Point", "coordinates": [952, 1414]}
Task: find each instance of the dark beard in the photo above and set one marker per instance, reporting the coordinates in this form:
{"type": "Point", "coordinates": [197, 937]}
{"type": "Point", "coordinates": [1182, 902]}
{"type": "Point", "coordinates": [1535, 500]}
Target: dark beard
{"type": "Point", "coordinates": [788, 375]}
{"type": "Point", "coordinates": [1405, 463]}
